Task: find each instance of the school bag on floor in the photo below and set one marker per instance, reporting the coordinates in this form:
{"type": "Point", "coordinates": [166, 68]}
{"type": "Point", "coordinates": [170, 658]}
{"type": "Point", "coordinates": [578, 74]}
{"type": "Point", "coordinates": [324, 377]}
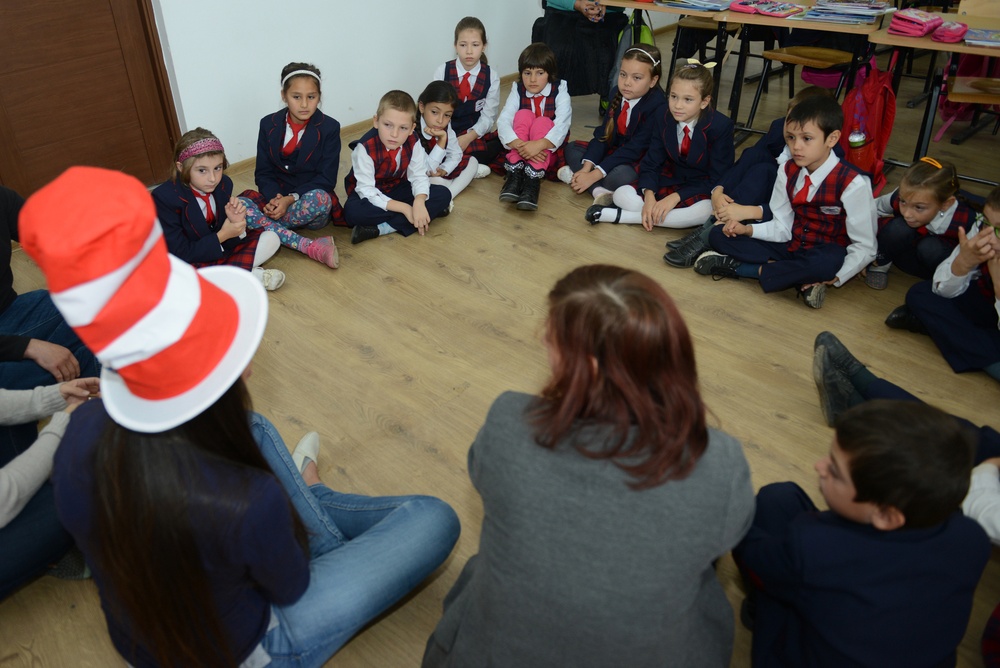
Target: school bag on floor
{"type": "Point", "coordinates": [869, 110]}
{"type": "Point", "coordinates": [968, 66]}
{"type": "Point", "coordinates": [636, 31]}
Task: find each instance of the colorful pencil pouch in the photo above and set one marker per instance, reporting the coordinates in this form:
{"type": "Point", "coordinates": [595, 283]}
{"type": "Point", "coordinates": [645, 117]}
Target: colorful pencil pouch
{"type": "Point", "coordinates": [950, 32]}
{"type": "Point", "coordinates": [914, 23]}
{"type": "Point", "coordinates": [779, 9]}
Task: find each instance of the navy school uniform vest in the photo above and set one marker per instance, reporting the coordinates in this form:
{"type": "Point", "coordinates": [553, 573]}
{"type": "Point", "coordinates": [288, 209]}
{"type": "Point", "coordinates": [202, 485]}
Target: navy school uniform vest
{"type": "Point", "coordinates": [387, 177]}
{"type": "Point", "coordinates": [549, 110]}
{"type": "Point", "coordinates": [467, 113]}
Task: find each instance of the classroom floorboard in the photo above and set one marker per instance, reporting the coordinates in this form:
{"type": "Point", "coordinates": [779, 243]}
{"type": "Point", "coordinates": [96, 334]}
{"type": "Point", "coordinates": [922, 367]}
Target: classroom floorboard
{"type": "Point", "coordinates": [395, 358]}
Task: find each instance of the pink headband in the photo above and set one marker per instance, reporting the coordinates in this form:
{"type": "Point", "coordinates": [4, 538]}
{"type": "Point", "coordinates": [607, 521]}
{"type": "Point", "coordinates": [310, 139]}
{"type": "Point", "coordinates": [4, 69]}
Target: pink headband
{"type": "Point", "coordinates": [207, 145]}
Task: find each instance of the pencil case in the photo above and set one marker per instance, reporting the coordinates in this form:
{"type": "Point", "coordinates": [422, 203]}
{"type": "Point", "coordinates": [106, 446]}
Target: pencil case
{"type": "Point", "coordinates": [950, 32]}
{"type": "Point", "coordinates": [914, 23]}
{"type": "Point", "coordinates": [779, 9]}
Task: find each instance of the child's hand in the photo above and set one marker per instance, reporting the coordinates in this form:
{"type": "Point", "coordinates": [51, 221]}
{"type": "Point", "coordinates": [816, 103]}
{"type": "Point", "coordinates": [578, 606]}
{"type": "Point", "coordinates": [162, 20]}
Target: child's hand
{"type": "Point", "coordinates": [735, 228]}
{"type": "Point", "coordinates": [75, 392]}
{"type": "Point", "coordinates": [973, 252]}
{"type": "Point", "coordinates": [993, 264]}
{"type": "Point", "coordinates": [278, 206]}
{"type": "Point", "coordinates": [741, 212]}
{"type": "Point", "coordinates": [231, 229]}
{"type": "Point", "coordinates": [534, 150]}
{"type": "Point", "coordinates": [658, 211]}
{"type": "Point", "coordinates": [439, 172]}
{"type": "Point", "coordinates": [585, 178]}
{"type": "Point", "coordinates": [421, 219]}
{"type": "Point", "coordinates": [236, 211]}
{"type": "Point", "coordinates": [516, 145]}
{"type": "Point", "coordinates": [466, 139]}
{"type": "Point", "coordinates": [719, 200]}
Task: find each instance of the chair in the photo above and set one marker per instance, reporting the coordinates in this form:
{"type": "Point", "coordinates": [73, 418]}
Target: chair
{"type": "Point", "coordinates": [808, 56]}
{"type": "Point", "coordinates": [980, 91]}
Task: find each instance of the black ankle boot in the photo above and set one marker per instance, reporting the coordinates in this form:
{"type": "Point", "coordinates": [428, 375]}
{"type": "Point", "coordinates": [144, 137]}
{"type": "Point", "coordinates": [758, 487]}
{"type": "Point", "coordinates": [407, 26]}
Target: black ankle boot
{"type": "Point", "coordinates": [529, 194]}
{"type": "Point", "coordinates": [512, 187]}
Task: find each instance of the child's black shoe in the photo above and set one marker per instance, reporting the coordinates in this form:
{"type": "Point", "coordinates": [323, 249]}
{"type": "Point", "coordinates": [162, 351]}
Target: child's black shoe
{"type": "Point", "coordinates": [512, 187]}
{"type": "Point", "coordinates": [529, 193]}
{"type": "Point", "coordinates": [363, 233]}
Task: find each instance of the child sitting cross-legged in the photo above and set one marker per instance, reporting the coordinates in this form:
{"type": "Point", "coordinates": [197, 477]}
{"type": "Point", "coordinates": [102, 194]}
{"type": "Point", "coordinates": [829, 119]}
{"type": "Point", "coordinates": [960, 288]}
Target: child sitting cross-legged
{"type": "Point", "coordinates": [387, 188]}
{"type": "Point", "coordinates": [822, 230]}
{"type": "Point", "coordinates": [887, 575]}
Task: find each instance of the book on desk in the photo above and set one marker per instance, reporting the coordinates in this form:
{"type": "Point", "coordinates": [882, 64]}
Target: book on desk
{"type": "Point", "coordinates": [980, 37]}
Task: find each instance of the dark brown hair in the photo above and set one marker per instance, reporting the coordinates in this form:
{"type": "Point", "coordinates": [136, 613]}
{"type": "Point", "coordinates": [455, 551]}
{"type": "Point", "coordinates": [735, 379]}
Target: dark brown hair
{"type": "Point", "coordinates": [993, 200]}
{"type": "Point", "coordinates": [644, 53]}
{"type": "Point", "coordinates": [907, 455]}
{"type": "Point", "coordinates": [806, 93]}
{"type": "Point", "coordinates": [623, 360]}
{"type": "Point", "coordinates": [151, 491]}
{"type": "Point", "coordinates": [308, 67]}
{"type": "Point", "coordinates": [472, 23]}
{"type": "Point", "coordinates": [822, 110]}
{"type": "Point", "coordinates": [441, 92]}
{"type": "Point", "coordinates": [539, 55]}
{"type": "Point", "coordinates": [941, 182]}
{"type": "Point", "coordinates": [188, 138]}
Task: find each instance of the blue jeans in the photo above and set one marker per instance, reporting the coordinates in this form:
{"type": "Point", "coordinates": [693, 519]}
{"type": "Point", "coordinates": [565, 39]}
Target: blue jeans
{"type": "Point", "coordinates": [31, 542]}
{"type": "Point", "coordinates": [34, 315]}
{"type": "Point", "coordinates": [366, 553]}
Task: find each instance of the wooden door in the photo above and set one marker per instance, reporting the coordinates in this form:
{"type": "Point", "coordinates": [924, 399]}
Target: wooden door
{"type": "Point", "coordinates": [82, 82]}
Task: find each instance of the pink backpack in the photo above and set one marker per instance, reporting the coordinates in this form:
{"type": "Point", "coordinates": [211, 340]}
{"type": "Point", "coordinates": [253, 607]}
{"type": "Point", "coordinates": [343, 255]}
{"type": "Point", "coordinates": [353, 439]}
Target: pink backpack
{"type": "Point", "coordinates": [968, 66]}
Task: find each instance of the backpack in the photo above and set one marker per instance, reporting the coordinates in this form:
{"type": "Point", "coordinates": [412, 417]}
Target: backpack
{"type": "Point", "coordinates": [636, 31]}
{"type": "Point", "coordinates": [870, 108]}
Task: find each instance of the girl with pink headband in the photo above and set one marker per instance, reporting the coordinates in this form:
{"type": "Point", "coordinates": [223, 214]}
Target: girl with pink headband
{"type": "Point", "coordinates": [298, 156]}
{"type": "Point", "coordinates": [203, 224]}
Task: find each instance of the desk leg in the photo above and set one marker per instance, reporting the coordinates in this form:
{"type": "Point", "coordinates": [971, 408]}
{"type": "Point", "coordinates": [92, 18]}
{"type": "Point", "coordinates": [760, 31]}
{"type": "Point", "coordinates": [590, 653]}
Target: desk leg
{"type": "Point", "coordinates": [927, 126]}
{"type": "Point", "coordinates": [720, 51]}
{"type": "Point", "coordinates": [741, 65]}
{"type": "Point", "coordinates": [899, 56]}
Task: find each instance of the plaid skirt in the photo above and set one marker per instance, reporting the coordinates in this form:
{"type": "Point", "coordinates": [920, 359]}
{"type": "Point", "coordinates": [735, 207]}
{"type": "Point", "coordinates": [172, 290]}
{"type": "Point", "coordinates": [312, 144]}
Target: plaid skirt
{"type": "Point", "coordinates": [479, 144]}
{"type": "Point", "coordinates": [241, 255]}
{"type": "Point", "coordinates": [663, 191]}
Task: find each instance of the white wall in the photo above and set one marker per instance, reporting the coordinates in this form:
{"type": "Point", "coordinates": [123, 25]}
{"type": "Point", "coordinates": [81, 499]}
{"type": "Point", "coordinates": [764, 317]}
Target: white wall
{"type": "Point", "coordinates": [224, 57]}
{"type": "Point", "coordinates": [225, 67]}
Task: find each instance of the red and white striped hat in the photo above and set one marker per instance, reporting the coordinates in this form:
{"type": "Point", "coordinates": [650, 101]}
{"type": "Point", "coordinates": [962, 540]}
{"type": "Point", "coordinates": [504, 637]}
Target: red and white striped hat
{"type": "Point", "coordinates": [171, 339]}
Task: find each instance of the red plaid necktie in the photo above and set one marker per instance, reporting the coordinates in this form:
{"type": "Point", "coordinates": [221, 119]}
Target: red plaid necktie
{"type": "Point", "coordinates": [623, 118]}
{"type": "Point", "coordinates": [464, 90]}
{"type": "Point", "coordinates": [393, 152]}
{"type": "Point", "coordinates": [293, 141]}
{"type": "Point", "coordinates": [686, 142]}
{"type": "Point", "coordinates": [537, 101]}
{"type": "Point", "coordinates": [207, 199]}
{"type": "Point", "coordinates": [803, 193]}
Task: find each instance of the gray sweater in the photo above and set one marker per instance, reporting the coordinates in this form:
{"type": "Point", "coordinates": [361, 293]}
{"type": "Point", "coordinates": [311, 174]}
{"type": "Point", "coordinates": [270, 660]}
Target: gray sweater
{"type": "Point", "coordinates": [575, 568]}
{"type": "Point", "coordinates": [21, 478]}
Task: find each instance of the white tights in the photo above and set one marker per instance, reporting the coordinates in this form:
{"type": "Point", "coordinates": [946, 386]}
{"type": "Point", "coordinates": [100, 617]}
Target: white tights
{"type": "Point", "coordinates": [628, 200]}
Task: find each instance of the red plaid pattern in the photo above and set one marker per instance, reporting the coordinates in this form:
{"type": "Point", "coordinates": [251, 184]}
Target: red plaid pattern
{"type": "Point", "coordinates": [465, 115]}
{"type": "Point", "coordinates": [386, 175]}
{"type": "Point", "coordinates": [241, 255]}
{"type": "Point", "coordinates": [549, 111]}
{"type": "Point", "coordinates": [811, 225]}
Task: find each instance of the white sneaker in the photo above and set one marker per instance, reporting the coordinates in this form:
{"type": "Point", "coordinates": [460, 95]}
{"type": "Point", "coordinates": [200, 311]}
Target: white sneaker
{"type": "Point", "coordinates": [483, 171]}
{"type": "Point", "coordinates": [272, 279]}
{"type": "Point", "coordinates": [565, 174]}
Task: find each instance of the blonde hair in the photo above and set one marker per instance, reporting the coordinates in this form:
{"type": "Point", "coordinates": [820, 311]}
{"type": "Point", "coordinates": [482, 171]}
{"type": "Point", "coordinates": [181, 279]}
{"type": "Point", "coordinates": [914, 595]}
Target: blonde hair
{"type": "Point", "coordinates": [399, 101]}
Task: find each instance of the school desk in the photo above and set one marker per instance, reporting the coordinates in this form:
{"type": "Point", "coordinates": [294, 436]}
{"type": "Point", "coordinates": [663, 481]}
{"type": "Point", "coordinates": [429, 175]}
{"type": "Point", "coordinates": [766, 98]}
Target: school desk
{"type": "Point", "coordinates": [902, 44]}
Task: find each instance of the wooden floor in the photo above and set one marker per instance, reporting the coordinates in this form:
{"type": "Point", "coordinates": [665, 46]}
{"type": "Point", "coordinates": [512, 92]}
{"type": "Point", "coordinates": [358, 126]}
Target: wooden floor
{"type": "Point", "coordinates": [395, 358]}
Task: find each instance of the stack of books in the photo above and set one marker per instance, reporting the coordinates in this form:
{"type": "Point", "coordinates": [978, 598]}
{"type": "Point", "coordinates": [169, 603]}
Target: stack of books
{"type": "Point", "coordinates": [846, 11]}
{"type": "Point", "coordinates": [980, 37]}
{"type": "Point", "coordinates": [696, 5]}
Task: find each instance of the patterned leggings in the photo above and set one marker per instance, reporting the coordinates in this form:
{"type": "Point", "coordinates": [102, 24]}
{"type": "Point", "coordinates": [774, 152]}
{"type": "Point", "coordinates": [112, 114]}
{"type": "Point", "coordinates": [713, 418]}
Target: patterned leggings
{"type": "Point", "coordinates": [312, 212]}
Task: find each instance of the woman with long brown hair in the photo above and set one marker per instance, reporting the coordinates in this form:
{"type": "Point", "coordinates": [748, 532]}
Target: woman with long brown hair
{"type": "Point", "coordinates": [210, 544]}
{"type": "Point", "coordinates": [606, 499]}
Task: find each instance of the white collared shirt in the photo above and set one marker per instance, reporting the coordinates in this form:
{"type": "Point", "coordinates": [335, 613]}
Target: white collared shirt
{"type": "Point", "coordinates": [946, 284]}
{"type": "Point", "coordinates": [364, 172]}
{"type": "Point", "coordinates": [446, 158]}
{"type": "Point", "coordinates": [859, 207]}
{"type": "Point", "coordinates": [491, 103]}
{"type": "Point", "coordinates": [562, 121]}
